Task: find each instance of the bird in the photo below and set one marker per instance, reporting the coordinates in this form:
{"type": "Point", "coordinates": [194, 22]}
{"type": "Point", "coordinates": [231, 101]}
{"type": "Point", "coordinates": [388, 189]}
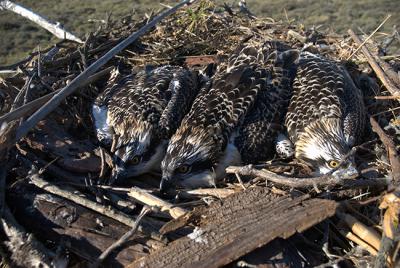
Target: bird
{"type": "Point", "coordinates": [214, 134]}
{"type": "Point", "coordinates": [263, 125]}
{"type": "Point", "coordinates": [138, 115]}
{"type": "Point", "coordinates": [326, 116]}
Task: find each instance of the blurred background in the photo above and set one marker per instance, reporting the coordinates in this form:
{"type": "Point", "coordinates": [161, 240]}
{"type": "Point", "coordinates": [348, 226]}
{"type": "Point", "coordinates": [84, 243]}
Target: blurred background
{"type": "Point", "coordinates": [20, 36]}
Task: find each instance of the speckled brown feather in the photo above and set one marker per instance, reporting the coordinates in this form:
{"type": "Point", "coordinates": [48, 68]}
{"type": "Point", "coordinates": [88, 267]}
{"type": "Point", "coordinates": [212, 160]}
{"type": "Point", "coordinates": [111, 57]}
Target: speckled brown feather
{"type": "Point", "coordinates": [220, 107]}
{"type": "Point", "coordinates": [323, 89]}
{"type": "Point", "coordinates": [257, 134]}
{"type": "Point", "coordinates": [150, 100]}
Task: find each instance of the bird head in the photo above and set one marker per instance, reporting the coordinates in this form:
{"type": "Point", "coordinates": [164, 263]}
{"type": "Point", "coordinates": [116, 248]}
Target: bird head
{"type": "Point", "coordinates": [190, 160]}
{"type": "Point", "coordinates": [322, 145]}
{"type": "Point", "coordinates": [136, 152]}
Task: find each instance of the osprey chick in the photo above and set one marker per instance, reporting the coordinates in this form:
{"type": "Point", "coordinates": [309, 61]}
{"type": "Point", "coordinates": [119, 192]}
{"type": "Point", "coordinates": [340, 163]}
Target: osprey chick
{"type": "Point", "coordinates": [215, 133]}
{"type": "Point", "coordinates": [326, 115]}
{"type": "Point", "coordinates": [140, 114]}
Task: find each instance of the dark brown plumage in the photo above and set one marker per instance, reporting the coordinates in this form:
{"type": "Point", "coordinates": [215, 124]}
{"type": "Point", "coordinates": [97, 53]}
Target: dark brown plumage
{"type": "Point", "coordinates": [230, 119]}
{"type": "Point", "coordinates": [326, 115]}
{"type": "Point", "coordinates": [141, 114]}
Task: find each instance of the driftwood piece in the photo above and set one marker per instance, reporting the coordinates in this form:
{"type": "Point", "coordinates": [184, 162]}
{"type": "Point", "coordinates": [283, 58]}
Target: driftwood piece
{"type": "Point", "coordinates": [80, 79]}
{"type": "Point", "coordinates": [237, 225]}
{"type": "Point", "coordinates": [375, 66]}
{"type": "Point", "coordinates": [151, 200]}
{"type": "Point", "coordinates": [84, 232]}
{"type": "Point", "coordinates": [53, 28]}
{"type": "Point", "coordinates": [390, 148]}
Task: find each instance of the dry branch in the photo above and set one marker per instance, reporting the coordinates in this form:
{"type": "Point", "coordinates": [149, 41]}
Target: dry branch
{"type": "Point", "coordinates": [123, 238]}
{"type": "Point", "coordinates": [390, 148]}
{"type": "Point", "coordinates": [364, 232]}
{"type": "Point", "coordinates": [53, 28]}
{"type": "Point", "coordinates": [29, 108]}
{"type": "Point", "coordinates": [289, 181]}
{"type": "Point", "coordinates": [375, 66]}
{"type": "Point", "coordinates": [79, 80]}
{"type": "Point", "coordinates": [153, 201]}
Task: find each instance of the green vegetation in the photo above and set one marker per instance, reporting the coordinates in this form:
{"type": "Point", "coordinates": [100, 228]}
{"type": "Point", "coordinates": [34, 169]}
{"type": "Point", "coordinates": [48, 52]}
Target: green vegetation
{"type": "Point", "coordinates": [19, 36]}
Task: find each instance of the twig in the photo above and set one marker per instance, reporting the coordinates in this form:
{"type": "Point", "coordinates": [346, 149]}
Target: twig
{"type": "Point", "coordinates": [78, 199]}
{"type": "Point", "coordinates": [216, 192]}
{"type": "Point", "coordinates": [53, 28]}
{"type": "Point", "coordinates": [387, 97]}
{"type": "Point", "coordinates": [151, 200]}
{"type": "Point", "coordinates": [240, 181]}
{"type": "Point", "coordinates": [366, 233]}
{"type": "Point", "coordinates": [289, 181]}
{"type": "Point", "coordinates": [123, 239]}
{"type": "Point", "coordinates": [297, 36]}
{"type": "Point", "coordinates": [360, 242]}
{"type": "Point", "coordinates": [390, 148]}
{"type": "Point", "coordinates": [375, 66]}
{"type": "Point", "coordinates": [30, 107]}
{"type": "Point", "coordinates": [369, 37]}
{"type": "Point", "coordinates": [77, 82]}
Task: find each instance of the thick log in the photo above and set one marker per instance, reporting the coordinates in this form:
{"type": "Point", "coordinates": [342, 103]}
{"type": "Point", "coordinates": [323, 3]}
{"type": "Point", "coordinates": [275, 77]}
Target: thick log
{"type": "Point", "coordinates": [237, 225]}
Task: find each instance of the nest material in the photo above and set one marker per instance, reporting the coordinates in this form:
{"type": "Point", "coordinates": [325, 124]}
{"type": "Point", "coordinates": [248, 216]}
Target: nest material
{"type": "Point", "coordinates": [65, 149]}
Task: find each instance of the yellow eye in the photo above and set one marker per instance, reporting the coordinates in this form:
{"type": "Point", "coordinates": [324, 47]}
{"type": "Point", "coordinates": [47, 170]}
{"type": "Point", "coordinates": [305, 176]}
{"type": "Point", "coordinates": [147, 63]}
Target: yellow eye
{"type": "Point", "coordinates": [333, 164]}
{"type": "Point", "coordinates": [135, 160]}
{"type": "Point", "coordinates": [183, 169]}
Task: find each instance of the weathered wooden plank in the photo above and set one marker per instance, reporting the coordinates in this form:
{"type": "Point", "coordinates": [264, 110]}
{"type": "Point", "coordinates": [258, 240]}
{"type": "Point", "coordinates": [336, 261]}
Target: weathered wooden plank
{"type": "Point", "coordinates": [237, 225]}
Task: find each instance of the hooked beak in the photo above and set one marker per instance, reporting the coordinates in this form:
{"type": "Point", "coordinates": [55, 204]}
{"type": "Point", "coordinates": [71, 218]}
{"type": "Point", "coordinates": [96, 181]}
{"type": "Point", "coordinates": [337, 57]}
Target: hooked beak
{"type": "Point", "coordinates": [116, 175]}
{"type": "Point", "coordinates": [347, 172]}
{"type": "Point", "coordinates": [166, 185]}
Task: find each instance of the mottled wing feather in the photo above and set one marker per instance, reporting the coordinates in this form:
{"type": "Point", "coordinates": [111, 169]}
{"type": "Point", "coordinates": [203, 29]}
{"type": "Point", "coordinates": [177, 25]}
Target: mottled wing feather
{"type": "Point", "coordinates": [317, 90]}
{"type": "Point", "coordinates": [354, 111]}
{"type": "Point", "coordinates": [257, 134]}
{"type": "Point", "coordinates": [141, 98]}
{"type": "Point", "coordinates": [322, 89]}
{"type": "Point", "coordinates": [183, 89]}
{"type": "Point", "coordinates": [232, 93]}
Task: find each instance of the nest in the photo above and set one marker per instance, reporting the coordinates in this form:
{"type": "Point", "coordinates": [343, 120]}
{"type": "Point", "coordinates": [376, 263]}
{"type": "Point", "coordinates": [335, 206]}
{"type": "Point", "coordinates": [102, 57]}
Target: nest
{"type": "Point", "coordinates": [52, 179]}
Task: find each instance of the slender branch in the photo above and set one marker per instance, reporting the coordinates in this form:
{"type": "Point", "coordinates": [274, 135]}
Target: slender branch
{"type": "Point", "coordinates": [76, 83]}
{"type": "Point", "coordinates": [122, 240]}
{"type": "Point", "coordinates": [30, 107]}
{"type": "Point", "coordinates": [390, 148]}
{"type": "Point", "coordinates": [53, 28]}
{"type": "Point", "coordinates": [367, 234]}
{"type": "Point", "coordinates": [151, 200]}
{"type": "Point", "coordinates": [369, 37]}
{"type": "Point", "coordinates": [375, 66]}
{"type": "Point", "coordinates": [290, 181]}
